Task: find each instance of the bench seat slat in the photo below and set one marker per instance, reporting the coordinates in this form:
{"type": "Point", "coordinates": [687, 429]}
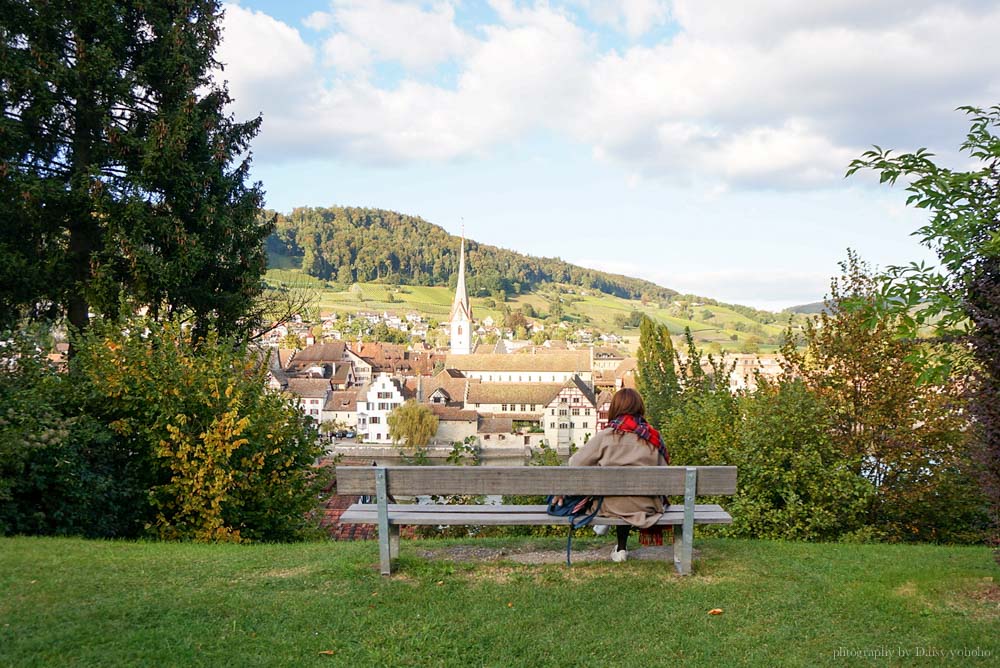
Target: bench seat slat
{"type": "Point", "coordinates": [485, 515]}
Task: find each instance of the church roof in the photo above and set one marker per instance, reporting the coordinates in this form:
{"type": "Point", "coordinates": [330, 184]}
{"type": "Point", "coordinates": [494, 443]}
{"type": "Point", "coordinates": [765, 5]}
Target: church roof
{"type": "Point", "coordinates": [539, 394]}
{"type": "Point", "coordinates": [575, 360]}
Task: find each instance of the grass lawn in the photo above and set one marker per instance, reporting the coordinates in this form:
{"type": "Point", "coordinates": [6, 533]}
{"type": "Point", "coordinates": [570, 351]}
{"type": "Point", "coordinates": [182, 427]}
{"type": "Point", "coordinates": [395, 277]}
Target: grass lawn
{"type": "Point", "coordinates": [77, 602]}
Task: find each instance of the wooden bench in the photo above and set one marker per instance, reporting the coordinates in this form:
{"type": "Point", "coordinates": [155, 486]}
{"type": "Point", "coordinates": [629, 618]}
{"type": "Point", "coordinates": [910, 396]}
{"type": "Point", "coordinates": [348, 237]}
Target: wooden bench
{"type": "Point", "coordinates": [398, 481]}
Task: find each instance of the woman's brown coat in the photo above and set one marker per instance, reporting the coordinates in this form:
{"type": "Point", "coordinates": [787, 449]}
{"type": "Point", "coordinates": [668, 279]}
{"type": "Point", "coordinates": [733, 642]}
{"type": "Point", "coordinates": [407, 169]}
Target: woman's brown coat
{"type": "Point", "coordinates": [607, 448]}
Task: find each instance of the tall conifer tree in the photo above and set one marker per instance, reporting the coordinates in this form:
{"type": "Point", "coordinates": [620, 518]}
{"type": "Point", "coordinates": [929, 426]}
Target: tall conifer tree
{"type": "Point", "coordinates": [122, 177]}
{"type": "Point", "coordinates": [657, 375]}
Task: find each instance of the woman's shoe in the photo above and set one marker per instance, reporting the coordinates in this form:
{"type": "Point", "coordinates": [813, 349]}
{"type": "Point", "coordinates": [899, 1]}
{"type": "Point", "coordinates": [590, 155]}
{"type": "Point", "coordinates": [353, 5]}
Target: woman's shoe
{"type": "Point", "coordinates": [618, 556]}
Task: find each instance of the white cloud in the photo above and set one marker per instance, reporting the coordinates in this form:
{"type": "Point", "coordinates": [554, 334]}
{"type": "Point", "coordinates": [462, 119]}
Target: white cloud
{"type": "Point", "coordinates": [400, 32]}
{"type": "Point", "coordinates": [318, 20]}
{"type": "Point", "coordinates": [633, 17]}
{"type": "Point", "coordinates": [776, 94]}
{"type": "Point", "coordinates": [346, 54]}
{"type": "Point", "coordinates": [262, 56]}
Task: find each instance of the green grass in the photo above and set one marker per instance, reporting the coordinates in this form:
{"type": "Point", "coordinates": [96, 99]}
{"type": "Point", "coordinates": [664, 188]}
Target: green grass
{"type": "Point", "coordinates": [76, 602]}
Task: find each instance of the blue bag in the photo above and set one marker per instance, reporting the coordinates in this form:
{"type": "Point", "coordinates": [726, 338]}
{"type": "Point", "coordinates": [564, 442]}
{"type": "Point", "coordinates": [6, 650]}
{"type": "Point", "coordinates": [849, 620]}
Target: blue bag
{"type": "Point", "coordinates": [578, 509]}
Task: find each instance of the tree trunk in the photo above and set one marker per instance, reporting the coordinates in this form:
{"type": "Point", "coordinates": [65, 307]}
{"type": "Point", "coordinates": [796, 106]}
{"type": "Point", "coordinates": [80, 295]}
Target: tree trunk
{"type": "Point", "coordinates": [82, 223]}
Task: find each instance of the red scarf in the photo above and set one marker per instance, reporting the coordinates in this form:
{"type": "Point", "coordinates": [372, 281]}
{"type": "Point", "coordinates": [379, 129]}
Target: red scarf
{"type": "Point", "coordinates": [642, 429]}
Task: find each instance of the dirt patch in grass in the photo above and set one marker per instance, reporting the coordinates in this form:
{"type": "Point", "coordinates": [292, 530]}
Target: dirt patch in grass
{"type": "Point", "coordinates": [282, 573]}
{"type": "Point", "coordinates": [530, 556]}
{"type": "Point", "coordinates": [981, 600]}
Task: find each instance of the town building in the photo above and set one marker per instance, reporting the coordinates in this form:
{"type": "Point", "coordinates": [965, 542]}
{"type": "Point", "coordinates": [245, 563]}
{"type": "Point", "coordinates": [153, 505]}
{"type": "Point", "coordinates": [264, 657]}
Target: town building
{"type": "Point", "coordinates": [375, 401]}
{"type": "Point", "coordinates": [570, 418]}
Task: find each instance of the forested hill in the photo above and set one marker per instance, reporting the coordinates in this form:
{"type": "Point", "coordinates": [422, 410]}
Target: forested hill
{"type": "Point", "coordinates": [348, 245]}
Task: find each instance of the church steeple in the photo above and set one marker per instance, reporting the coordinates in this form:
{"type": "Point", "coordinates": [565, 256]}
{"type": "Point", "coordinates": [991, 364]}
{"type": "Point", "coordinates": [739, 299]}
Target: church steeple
{"type": "Point", "coordinates": [461, 311]}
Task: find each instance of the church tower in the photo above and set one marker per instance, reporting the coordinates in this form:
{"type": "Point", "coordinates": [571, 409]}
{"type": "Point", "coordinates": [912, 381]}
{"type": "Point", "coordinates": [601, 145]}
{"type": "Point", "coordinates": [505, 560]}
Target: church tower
{"type": "Point", "coordinates": [461, 311]}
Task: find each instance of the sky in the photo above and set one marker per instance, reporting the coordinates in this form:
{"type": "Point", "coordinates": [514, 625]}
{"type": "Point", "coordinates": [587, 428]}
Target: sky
{"type": "Point", "coordinates": [700, 145]}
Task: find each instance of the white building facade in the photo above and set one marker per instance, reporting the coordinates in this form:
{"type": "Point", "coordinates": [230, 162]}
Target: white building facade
{"type": "Point", "coordinates": [383, 395]}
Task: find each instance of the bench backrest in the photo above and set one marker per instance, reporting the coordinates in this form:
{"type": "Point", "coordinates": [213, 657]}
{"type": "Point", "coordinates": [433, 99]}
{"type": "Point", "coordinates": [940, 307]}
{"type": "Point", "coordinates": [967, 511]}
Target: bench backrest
{"type": "Point", "coordinates": [603, 480]}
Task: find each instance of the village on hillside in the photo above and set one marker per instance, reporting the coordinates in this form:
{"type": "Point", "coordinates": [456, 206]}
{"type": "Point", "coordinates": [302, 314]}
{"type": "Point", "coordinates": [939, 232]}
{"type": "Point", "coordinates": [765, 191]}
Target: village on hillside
{"type": "Point", "coordinates": [505, 398]}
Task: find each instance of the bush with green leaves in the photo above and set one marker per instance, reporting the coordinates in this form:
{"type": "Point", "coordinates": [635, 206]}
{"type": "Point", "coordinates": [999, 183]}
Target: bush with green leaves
{"type": "Point", "coordinates": [169, 437]}
{"type": "Point", "coordinates": [60, 473]}
{"type": "Point", "coordinates": [794, 483]}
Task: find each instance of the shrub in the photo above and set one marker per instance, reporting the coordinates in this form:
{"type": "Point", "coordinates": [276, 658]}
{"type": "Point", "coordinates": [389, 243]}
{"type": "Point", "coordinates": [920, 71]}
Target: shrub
{"type": "Point", "coordinates": [230, 460]}
{"type": "Point", "coordinates": [793, 481]}
{"type": "Point", "coordinates": [153, 433]}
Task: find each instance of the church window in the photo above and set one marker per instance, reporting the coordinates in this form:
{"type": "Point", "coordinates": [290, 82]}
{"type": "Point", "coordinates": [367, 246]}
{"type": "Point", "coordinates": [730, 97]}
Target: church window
{"type": "Point", "coordinates": [460, 330]}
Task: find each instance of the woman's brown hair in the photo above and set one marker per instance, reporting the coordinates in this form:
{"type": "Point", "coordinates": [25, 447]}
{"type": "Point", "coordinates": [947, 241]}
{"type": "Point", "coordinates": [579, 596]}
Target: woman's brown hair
{"type": "Point", "coordinates": [626, 402]}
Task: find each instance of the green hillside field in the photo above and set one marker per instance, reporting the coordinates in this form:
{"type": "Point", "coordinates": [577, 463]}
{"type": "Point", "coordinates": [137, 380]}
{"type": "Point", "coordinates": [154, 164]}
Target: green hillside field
{"type": "Point", "coordinates": [593, 309]}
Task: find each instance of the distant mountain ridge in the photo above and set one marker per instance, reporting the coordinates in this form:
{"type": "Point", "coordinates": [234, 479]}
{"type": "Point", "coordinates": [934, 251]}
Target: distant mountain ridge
{"type": "Point", "coordinates": [348, 245]}
{"type": "Point", "coordinates": [812, 308]}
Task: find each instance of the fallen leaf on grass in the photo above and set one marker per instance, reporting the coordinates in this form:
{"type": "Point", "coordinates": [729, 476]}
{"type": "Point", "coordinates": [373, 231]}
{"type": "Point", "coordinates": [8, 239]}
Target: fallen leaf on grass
{"type": "Point", "coordinates": [374, 593]}
{"type": "Point", "coordinates": [328, 652]}
{"type": "Point", "coordinates": [510, 604]}
{"type": "Point", "coordinates": [439, 583]}
{"type": "Point", "coordinates": [715, 611]}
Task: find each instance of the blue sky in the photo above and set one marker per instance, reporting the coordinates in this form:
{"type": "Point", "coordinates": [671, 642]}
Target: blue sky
{"type": "Point", "coordinates": [699, 145]}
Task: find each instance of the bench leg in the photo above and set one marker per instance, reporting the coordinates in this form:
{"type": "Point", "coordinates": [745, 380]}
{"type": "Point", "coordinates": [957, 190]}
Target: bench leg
{"type": "Point", "coordinates": [684, 538]}
{"type": "Point", "coordinates": [393, 541]}
{"type": "Point", "coordinates": [384, 535]}
{"type": "Point", "coordinates": [682, 550]}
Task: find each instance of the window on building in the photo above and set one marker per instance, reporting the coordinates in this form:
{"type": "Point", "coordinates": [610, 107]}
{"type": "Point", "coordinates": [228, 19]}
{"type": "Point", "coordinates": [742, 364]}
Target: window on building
{"type": "Point", "coordinates": [552, 425]}
{"type": "Point", "coordinates": [562, 411]}
{"type": "Point", "coordinates": [523, 408]}
{"type": "Point", "coordinates": [486, 437]}
{"type": "Point", "coordinates": [553, 411]}
{"type": "Point", "coordinates": [586, 424]}
{"type": "Point", "coordinates": [503, 437]}
{"type": "Point", "coordinates": [503, 407]}
{"type": "Point", "coordinates": [460, 330]}
{"type": "Point", "coordinates": [374, 420]}
{"type": "Point", "coordinates": [586, 411]}
{"type": "Point", "coordinates": [576, 411]}
{"type": "Point", "coordinates": [563, 400]}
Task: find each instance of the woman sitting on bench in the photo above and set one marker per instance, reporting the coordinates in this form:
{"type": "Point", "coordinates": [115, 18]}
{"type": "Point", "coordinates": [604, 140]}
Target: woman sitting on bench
{"type": "Point", "coordinates": [628, 441]}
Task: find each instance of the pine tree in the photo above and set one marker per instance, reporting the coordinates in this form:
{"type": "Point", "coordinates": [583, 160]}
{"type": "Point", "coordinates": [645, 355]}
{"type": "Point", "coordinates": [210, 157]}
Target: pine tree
{"type": "Point", "coordinates": [122, 178]}
{"type": "Point", "coordinates": [656, 373]}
